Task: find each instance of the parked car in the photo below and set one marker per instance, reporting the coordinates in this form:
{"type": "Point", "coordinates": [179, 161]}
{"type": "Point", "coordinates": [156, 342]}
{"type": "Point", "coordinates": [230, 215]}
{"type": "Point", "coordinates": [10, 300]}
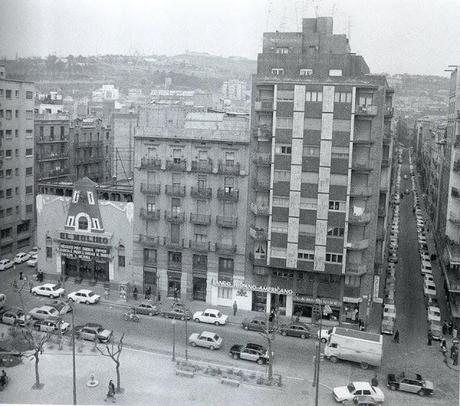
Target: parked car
{"type": "Point", "coordinates": [48, 289]}
{"type": "Point", "coordinates": [32, 261]}
{"type": "Point", "coordinates": [361, 401]}
{"type": "Point", "coordinates": [436, 329]}
{"type": "Point", "coordinates": [52, 326]}
{"type": "Point", "coordinates": [21, 257]}
{"type": "Point", "coordinates": [93, 332]}
{"type": "Point", "coordinates": [147, 308]}
{"type": "Point", "coordinates": [211, 316]}
{"type": "Point", "coordinates": [15, 317]}
{"type": "Point", "coordinates": [431, 301]}
{"type": "Point", "coordinates": [206, 339]}
{"type": "Point", "coordinates": [257, 324]}
{"type": "Point", "coordinates": [414, 384]}
{"type": "Point", "coordinates": [177, 312]}
{"type": "Point", "coordinates": [250, 352]}
{"type": "Point", "coordinates": [296, 329]}
{"type": "Point", "coordinates": [33, 251]}
{"type": "Point", "coordinates": [44, 312]}
{"type": "Point", "coordinates": [429, 288]}
{"type": "Point", "coordinates": [389, 310]}
{"type": "Point", "coordinates": [61, 306]}
{"type": "Point", "coordinates": [388, 325]}
{"type": "Point", "coordinates": [6, 264]}
{"type": "Point", "coordinates": [342, 393]}
{"type": "Point", "coordinates": [324, 334]}
{"type": "Point", "coordinates": [428, 278]}
{"type": "Point", "coordinates": [84, 296]}
{"type": "Point", "coordinates": [434, 313]}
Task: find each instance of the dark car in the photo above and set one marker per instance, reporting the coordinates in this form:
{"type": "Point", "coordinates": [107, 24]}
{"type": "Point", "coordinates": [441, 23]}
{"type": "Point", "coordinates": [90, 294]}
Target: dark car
{"type": "Point", "coordinates": [176, 312]}
{"type": "Point", "coordinates": [250, 352]}
{"type": "Point", "coordinates": [147, 308]}
{"type": "Point", "coordinates": [296, 329]}
{"type": "Point", "coordinates": [257, 324]}
{"type": "Point", "coordinates": [414, 384]}
{"type": "Point", "coordinates": [361, 400]}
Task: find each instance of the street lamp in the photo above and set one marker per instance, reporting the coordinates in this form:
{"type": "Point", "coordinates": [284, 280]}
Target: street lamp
{"type": "Point", "coordinates": [186, 335]}
{"type": "Point", "coordinates": [318, 311]}
{"type": "Point", "coordinates": [174, 340]}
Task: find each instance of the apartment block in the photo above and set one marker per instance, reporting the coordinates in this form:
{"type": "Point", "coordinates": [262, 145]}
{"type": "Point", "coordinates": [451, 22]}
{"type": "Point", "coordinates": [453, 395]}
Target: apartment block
{"type": "Point", "coordinates": [321, 150]}
{"type": "Point", "coordinates": [123, 127]}
{"type": "Point", "coordinates": [191, 185]}
{"type": "Point", "coordinates": [16, 164]}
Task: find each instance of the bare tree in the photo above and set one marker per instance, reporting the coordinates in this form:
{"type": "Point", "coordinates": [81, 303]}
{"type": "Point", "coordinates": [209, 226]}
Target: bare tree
{"type": "Point", "coordinates": [271, 329]}
{"type": "Point", "coordinates": [114, 353]}
{"type": "Point", "coordinates": [36, 341]}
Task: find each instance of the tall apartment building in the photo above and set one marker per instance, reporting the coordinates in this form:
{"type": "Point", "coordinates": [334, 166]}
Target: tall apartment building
{"type": "Point", "coordinates": [190, 189]}
{"type": "Point", "coordinates": [123, 126]}
{"type": "Point", "coordinates": [53, 148]}
{"type": "Point", "coordinates": [93, 145]}
{"type": "Point", "coordinates": [16, 164]}
{"type": "Point", "coordinates": [321, 146]}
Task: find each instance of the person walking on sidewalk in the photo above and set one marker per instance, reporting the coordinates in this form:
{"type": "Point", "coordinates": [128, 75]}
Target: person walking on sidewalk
{"type": "Point", "coordinates": [135, 293]}
{"type": "Point", "coordinates": [430, 337]}
{"type": "Point", "coordinates": [235, 308]}
{"type": "Point", "coordinates": [111, 392]}
{"type": "Point", "coordinates": [375, 381]}
{"type": "Point", "coordinates": [443, 344]}
{"type": "Point", "coordinates": [445, 327]}
{"type": "Point", "coordinates": [396, 336]}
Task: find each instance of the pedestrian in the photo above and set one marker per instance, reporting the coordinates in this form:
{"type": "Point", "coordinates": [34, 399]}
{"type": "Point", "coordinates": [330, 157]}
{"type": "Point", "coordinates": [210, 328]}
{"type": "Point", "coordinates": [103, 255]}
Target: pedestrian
{"type": "Point", "coordinates": [445, 327]}
{"type": "Point", "coordinates": [111, 392]}
{"type": "Point", "coordinates": [135, 293]}
{"type": "Point", "coordinates": [20, 276]}
{"type": "Point", "coordinates": [430, 337]}
{"type": "Point", "coordinates": [455, 358]}
{"type": "Point", "coordinates": [175, 294]}
{"type": "Point", "coordinates": [396, 336]}
{"type": "Point", "coordinates": [31, 285]}
{"type": "Point", "coordinates": [235, 308]}
{"type": "Point", "coordinates": [452, 351]}
{"type": "Point", "coordinates": [374, 381]}
{"type": "Point", "coordinates": [443, 344]}
{"type": "Point", "coordinates": [450, 326]}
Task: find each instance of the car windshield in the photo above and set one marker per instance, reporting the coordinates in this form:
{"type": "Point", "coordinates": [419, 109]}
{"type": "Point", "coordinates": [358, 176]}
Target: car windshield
{"type": "Point", "coordinates": [219, 314]}
{"type": "Point", "coordinates": [216, 337]}
{"type": "Point", "coordinates": [52, 310]}
{"type": "Point", "coordinates": [351, 388]}
{"type": "Point", "coordinates": [90, 294]}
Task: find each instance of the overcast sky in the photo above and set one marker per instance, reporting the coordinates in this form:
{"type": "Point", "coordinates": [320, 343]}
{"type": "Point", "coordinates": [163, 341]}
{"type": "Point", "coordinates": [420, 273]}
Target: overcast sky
{"type": "Point", "coordinates": [394, 36]}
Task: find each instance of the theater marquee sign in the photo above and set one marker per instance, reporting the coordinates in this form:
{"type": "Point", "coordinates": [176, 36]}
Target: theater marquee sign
{"type": "Point", "coordinates": [86, 247]}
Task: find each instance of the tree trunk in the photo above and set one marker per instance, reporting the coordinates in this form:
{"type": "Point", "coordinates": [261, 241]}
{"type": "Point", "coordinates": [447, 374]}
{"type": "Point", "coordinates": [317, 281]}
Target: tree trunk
{"type": "Point", "coordinates": [118, 376]}
{"type": "Point", "coordinates": [37, 376]}
{"type": "Point", "coordinates": [270, 362]}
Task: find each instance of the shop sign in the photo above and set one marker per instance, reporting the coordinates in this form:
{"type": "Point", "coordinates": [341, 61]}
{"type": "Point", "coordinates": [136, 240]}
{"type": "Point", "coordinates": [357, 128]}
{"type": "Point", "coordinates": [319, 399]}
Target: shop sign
{"type": "Point", "coordinates": [83, 252]}
{"type": "Point", "coordinates": [324, 301]}
{"type": "Point", "coordinates": [84, 238]}
{"type": "Point", "coordinates": [352, 299]}
{"type": "Point", "coordinates": [246, 286]}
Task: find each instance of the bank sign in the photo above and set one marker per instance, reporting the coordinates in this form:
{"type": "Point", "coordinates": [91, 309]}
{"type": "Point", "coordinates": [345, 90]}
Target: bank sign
{"type": "Point", "coordinates": [76, 247]}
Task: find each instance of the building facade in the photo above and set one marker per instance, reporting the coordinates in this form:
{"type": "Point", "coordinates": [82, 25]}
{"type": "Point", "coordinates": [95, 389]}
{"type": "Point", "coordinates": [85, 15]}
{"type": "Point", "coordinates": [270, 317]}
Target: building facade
{"type": "Point", "coordinates": [191, 182]}
{"type": "Point", "coordinates": [123, 127]}
{"type": "Point", "coordinates": [321, 149]}
{"type": "Point", "coordinates": [16, 164]}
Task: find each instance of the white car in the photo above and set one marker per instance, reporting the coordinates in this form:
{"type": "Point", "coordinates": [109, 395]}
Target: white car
{"type": "Point", "coordinates": [211, 316]}
{"type": "Point", "coordinates": [425, 257]}
{"type": "Point", "coordinates": [342, 393]}
{"type": "Point", "coordinates": [388, 325]}
{"type": "Point", "coordinates": [32, 261]}
{"type": "Point", "coordinates": [429, 288]}
{"type": "Point", "coordinates": [206, 339]}
{"type": "Point", "coordinates": [428, 277]}
{"type": "Point", "coordinates": [6, 264]}
{"type": "Point", "coordinates": [324, 334]}
{"type": "Point", "coordinates": [84, 296]}
{"type": "Point", "coordinates": [434, 314]}
{"type": "Point", "coordinates": [43, 313]}
{"type": "Point", "coordinates": [21, 257]}
{"type": "Point", "coordinates": [389, 310]}
{"type": "Point", "coordinates": [48, 289]}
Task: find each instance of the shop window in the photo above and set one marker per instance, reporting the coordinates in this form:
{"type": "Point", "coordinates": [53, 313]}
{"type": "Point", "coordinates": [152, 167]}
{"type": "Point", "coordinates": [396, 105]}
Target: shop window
{"type": "Point", "coordinates": [49, 247]}
{"type": "Point", "coordinates": [150, 256]}
{"type": "Point", "coordinates": [225, 273]}
{"type": "Point", "coordinates": [121, 255]}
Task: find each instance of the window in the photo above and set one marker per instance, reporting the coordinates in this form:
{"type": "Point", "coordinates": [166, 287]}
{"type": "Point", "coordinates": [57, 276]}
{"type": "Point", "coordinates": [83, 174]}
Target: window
{"type": "Point", "coordinates": [282, 50]}
{"type": "Point", "coordinates": [313, 96]}
{"type": "Point", "coordinates": [16, 190]}
{"type": "Point", "coordinates": [1, 194]}
{"type": "Point", "coordinates": [29, 114]}
{"type": "Point", "coordinates": [200, 262]}
{"type": "Point", "coordinates": [174, 258]}
{"type": "Point", "coordinates": [29, 133]}
{"type": "Point", "coordinates": [1, 173]}
{"type": "Point", "coordinates": [1, 113]}
{"type": "Point", "coordinates": [16, 93]}
{"type": "Point", "coordinates": [177, 156]}
{"type": "Point", "coordinates": [29, 94]}
{"type": "Point", "coordinates": [29, 208]}
{"type": "Point", "coordinates": [342, 97]}
{"type": "Point", "coordinates": [224, 293]}
{"type": "Point", "coordinates": [8, 114]}
{"type": "Point", "coordinates": [335, 72]}
{"type": "Point", "coordinates": [9, 211]}
{"type": "Point", "coordinates": [1, 92]}
{"type": "Point", "coordinates": [365, 100]}
{"type": "Point", "coordinates": [121, 255]}
{"type": "Point", "coordinates": [29, 190]}
{"type": "Point", "coordinates": [16, 171]}
{"type": "Point", "coordinates": [339, 152]}
{"type": "Point", "coordinates": [334, 258]}
{"type": "Point", "coordinates": [281, 201]}
{"type": "Point", "coordinates": [283, 149]}
{"type": "Point", "coordinates": [306, 255]}
{"type": "Point", "coordinates": [278, 71]}
{"type": "Point", "coordinates": [90, 198]}
{"type": "Point", "coordinates": [306, 72]}
{"type": "Point", "coordinates": [9, 193]}
{"type": "Point", "coordinates": [95, 224]}
{"type": "Point", "coordinates": [150, 256]}
{"type": "Point", "coordinates": [8, 153]}
{"type": "Point", "coordinates": [29, 152]}
{"type": "Point", "coordinates": [8, 173]}
{"type": "Point", "coordinates": [284, 123]}
{"type": "Point", "coordinates": [51, 133]}
{"type": "Point", "coordinates": [282, 176]}
{"type": "Point", "coordinates": [229, 159]}
{"type": "Point", "coordinates": [8, 134]}
{"type": "Point", "coordinates": [49, 247]}
{"type": "Point", "coordinates": [41, 132]}
{"type": "Point", "coordinates": [336, 205]}
{"type": "Point", "coordinates": [225, 270]}
{"type": "Point", "coordinates": [228, 184]}
{"type": "Point", "coordinates": [6, 232]}
{"type": "Point", "coordinates": [75, 197]}
{"type": "Point", "coordinates": [2, 213]}
{"type": "Point", "coordinates": [351, 280]}
{"type": "Point", "coordinates": [278, 252]}
{"type": "Point", "coordinates": [307, 229]}
{"type": "Point", "coordinates": [71, 221]}
{"type": "Point", "coordinates": [279, 228]}
{"type": "Point", "coordinates": [8, 94]}
{"type": "Point", "coordinates": [16, 152]}
{"type": "Point", "coordinates": [83, 223]}
{"type": "Point", "coordinates": [311, 151]}
{"type": "Point", "coordinates": [335, 232]}
{"type": "Point", "coordinates": [285, 95]}
{"type": "Point", "coordinates": [29, 171]}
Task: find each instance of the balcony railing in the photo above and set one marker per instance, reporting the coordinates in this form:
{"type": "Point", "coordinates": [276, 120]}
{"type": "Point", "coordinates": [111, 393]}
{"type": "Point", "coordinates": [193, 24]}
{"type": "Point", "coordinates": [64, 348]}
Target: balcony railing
{"type": "Point", "coordinates": [176, 166]}
{"type": "Point", "coordinates": [225, 248]}
{"type": "Point", "coordinates": [455, 193]}
{"type": "Point", "coordinates": [175, 190]}
{"type": "Point", "coordinates": [149, 241]}
{"type": "Point", "coordinates": [257, 261]}
{"type": "Point", "coordinates": [200, 219]}
{"type": "Point", "coordinates": [230, 195]}
{"type": "Point", "coordinates": [263, 133]}
{"type": "Point", "coordinates": [54, 173]}
{"type": "Point", "coordinates": [261, 185]}
{"type": "Point", "coordinates": [262, 159]}
{"type": "Point", "coordinates": [174, 244]}
{"type": "Point", "coordinates": [361, 219]}
{"type": "Point", "coordinates": [358, 245]}
{"type": "Point", "coordinates": [203, 246]}
{"type": "Point", "coordinates": [150, 215]}
{"type": "Point", "coordinates": [355, 268]}
{"type": "Point", "coordinates": [361, 166]}
{"type": "Point", "coordinates": [363, 141]}
{"type": "Point", "coordinates": [174, 217]}
{"type": "Point", "coordinates": [202, 166]}
{"type": "Point", "coordinates": [88, 144]}
{"type": "Point", "coordinates": [227, 221]}
{"type": "Point", "coordinates": [361, 191]}
{"type": "Point", "coordinates": [366, 110]}
{"type": "Point", "coordinates": [151, 163]}
{"type": "Point", "coordinates": [265, 105]}
{"type": "Point", "coordinates": [201, 193]}
{"type": "Point", "coordinates": [147, 189]}
{"type": "Point", "coordinates": [389, 111]}
{"type": "Point", "coordinates": [52, 156]}
{"type": "Point", "coordinates": [229, 169]}
{"type": "Point", "coordinates": [259, 210]}
{"type": "Point", "coordinates": [257, 234]}
{"type": "Point", "coordinates": [51, 141]}
{"type": "Point", "coordinates": [455, 219]}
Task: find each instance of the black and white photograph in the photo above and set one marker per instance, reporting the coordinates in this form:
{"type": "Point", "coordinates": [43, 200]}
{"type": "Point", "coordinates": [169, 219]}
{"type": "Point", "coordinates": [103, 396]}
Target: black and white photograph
{"type": "Point", "coordinates": [230, 202]}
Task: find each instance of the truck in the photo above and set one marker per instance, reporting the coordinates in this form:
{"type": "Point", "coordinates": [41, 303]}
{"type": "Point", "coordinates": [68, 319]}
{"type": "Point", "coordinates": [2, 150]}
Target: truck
{"type": "Point", "coordinates": [355, 346]}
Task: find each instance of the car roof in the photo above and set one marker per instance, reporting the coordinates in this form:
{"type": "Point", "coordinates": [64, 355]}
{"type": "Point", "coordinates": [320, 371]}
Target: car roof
{"type": "Point", "coordinates": [21, 253]}
{"type": "Point", "coordinates": [211, 311]}
{"type": "Point", "coordinates": [4, 260]}
{"type": "Point", "coordinates": [83, 291]}
{"type": "Point", "coordinates": [434, 309]}
{"type": "Point", "coordinates": [254, 346]}
{"type": "Point", "coordinates": [298, 323]}
{"type": "Point", "coordinates": [361, 385]}
{"type": "Point", "coordinates": [92, 325]}
{"type": "Point", "coordinates": [207, 334]}
{"type": "Point", "coordinates": [45, 307]}
{"type": "Point", "coordinates": [48, 285]}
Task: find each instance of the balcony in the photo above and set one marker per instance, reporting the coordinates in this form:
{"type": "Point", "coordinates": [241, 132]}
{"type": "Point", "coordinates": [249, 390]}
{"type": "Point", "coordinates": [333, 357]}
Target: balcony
{"type": "Point", "coordinates": [202, 166]}
{"type": "Point", "coordinates": [453, 218]}
{"type": "Point", "coordinates": [263, 133]}
{"type": "Point", "coordinates": [362, 219]}
{"type": "Point", "coordinates": [262, 159]}
{"type": "Point", "coordinates": [380, 234]}
{"type": "Point", "coordinates": [147, 189]}
{"type": "Point", "coordinates": [257, 234]}
{"type": "Point", "coordinates": [265, 105]}
{"type": "Point", "coordinates": [361, 166]}
{"type": "Point", "coordinates": [202, 246]}
{"type": "Point", "coordinates": [55, 173]}
{"type": "Point", "coordinates": [151, 163]}
{"type": "Point", "coordinates": [455, 193]}
{"type": "Point", "coordinates": [362, 141]}
{"type": "Point", "coordinates": [257, 261]}
{"type": "Point", "coordinates": [173, 244]}
{"type": "Point", "coordinates": [385, 162]}
{"type": "Point", "coordinates": [381, 212]}
{"type": "Point", "coordinates": [229, 195]}
{"type": "Point", "coordinates": [361, 191]}
{"type": "Point", "coordinates": [200, 219]}
{"type": "Point", "coordinates": [148, 241]}
{"type": "Point", "coordinates": [386, 140]}
{"type": "Point", "coordinates": [89, 160]}
{"type": "Point", "coordinates": [227, 221]}
{"type": "Point", "coordinates": [456, 167]}
{"type": "Point", "coordinates": [175, 190]}
{"type": "Point", "coordinates": [201, 193]}
{"type": "Point", "coordinates": [366, 111]}
{"type": "Point", "coordinates": [225, 248]}
{"type": "Point", "coordinates": [51, 141]}
{"type": "Point", "coordinates": [389, 111]}
{"type": "Point", "coordinates": [259, 210]}
{"type": "Point", "coordinates": [88, 144]}
{"type": "Point", "coordinates": [52, 156]}
{"type": "Point", "coordinates": [261, 185]}
{"type": "Point", "coordinates": [174, 216]}
{"type": "Point", "coordinates": [229, 169]}
{"type": "Point", "coordinates": [358, 245]}
{"type": "Point", "coordinates": [178, 165]}
{"type": "Point", "coordinates": [355, 269]}
{"type": "Point", "coordinates": [150, 215]}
